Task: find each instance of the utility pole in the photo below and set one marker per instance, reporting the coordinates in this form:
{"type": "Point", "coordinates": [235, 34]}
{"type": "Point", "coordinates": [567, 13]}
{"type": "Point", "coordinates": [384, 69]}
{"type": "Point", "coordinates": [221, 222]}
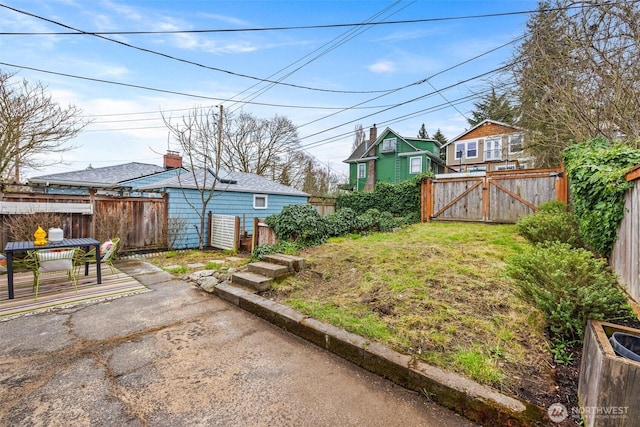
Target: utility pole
{"type": "Point", "coordinates": [219, 153]}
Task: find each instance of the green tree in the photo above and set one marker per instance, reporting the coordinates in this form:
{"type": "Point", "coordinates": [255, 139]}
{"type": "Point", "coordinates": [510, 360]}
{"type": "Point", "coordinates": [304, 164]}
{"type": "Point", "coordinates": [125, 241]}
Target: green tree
{"type": "Point", "coordinates": [494, 107]}
{"type": "Point", "coordinates": [439, 136]}
{"type": "Point", "coordinates": [422, 133]}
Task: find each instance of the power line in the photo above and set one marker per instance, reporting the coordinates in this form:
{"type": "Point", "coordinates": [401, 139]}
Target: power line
{"type": "Point", "coordinates": [171, 92]}
{"type": "Point", "coordinates": [415, 99]}
{"type": "Point", "coordinates": [186, 61]}
{"type": "Point", "coordinates": [333, 44]}
{"type": "Point", "coordinates": [282, 28]}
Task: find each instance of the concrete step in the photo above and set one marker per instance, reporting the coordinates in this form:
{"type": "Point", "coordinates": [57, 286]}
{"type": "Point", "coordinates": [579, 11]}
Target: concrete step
{"type": "Point", "coordinates": [295, 264]}
{"type": "Point", "coordinates": [268, 269]}
{"type": "Point", "coordinates": [251, 280]}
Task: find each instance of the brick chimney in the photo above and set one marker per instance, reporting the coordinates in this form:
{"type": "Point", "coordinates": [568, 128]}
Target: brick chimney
{"type": "Point", "coordinates": [371, 166]}
{"type": "Point", "coordinates": [373, 135]}
{"type": "Point", "coordinates": [172, 160]}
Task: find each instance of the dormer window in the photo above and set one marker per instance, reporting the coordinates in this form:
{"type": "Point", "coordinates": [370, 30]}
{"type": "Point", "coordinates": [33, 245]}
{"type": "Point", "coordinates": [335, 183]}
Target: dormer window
{"type": "Point", "coordinates": [388, 145]}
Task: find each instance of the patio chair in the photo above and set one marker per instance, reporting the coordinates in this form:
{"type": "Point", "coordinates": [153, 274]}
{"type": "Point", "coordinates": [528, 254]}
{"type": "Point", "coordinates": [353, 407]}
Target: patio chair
{"type": "Point", "coordinates": [51, 261]}
{"type": "Point", "coordinates": [108, 252]}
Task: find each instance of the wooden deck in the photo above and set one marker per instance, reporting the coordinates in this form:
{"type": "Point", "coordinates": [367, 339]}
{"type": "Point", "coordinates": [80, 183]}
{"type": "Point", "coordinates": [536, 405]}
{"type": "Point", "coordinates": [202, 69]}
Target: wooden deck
{"type": "Point", "coordinates": [56, 290]}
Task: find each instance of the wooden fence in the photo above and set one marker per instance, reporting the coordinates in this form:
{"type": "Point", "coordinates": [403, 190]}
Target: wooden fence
{"type": "Point", "coordinates": [323, 205]}
{"type": "Point", "coordinates": [497, 196]}
{"type": "Point", "coordinates": [140, 222]}
{"type": "Point", "coordinates": [626, 250]}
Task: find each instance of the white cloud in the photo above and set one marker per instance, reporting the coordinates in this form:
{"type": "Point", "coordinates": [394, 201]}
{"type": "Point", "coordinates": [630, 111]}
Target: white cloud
{"type": "Point", "coordinates": [382, 67]}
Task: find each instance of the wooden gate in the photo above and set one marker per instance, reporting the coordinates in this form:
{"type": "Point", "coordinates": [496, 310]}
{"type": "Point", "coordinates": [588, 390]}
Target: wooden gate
{"type": "Point", "coordinates": [499, 196]}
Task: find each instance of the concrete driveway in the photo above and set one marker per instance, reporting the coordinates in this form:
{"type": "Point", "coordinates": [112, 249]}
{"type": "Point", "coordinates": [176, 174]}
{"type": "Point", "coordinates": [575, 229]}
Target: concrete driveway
{"type": "Point", "coordinates": [177, 356]}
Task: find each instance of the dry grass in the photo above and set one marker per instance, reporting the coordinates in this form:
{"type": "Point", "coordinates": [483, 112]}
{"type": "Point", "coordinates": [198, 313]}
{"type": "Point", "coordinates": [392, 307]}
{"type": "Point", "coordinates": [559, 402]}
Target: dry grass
{"type": "Point", "coordinates": [436, 291]}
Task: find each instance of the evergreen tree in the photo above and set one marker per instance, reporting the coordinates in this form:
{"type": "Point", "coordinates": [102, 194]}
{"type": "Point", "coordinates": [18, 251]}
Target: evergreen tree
{"type": "Point", "coordinates": [422, 133]}
{"type": "Point", "coordinates": [493, 107]}
{"type": "Point", "coordinates": [439, 136]}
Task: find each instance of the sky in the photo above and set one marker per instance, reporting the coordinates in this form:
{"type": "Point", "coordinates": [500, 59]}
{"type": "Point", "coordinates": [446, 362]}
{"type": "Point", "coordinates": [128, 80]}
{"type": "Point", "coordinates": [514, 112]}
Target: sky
{"type": "Point", "coordinates": [317, 63]}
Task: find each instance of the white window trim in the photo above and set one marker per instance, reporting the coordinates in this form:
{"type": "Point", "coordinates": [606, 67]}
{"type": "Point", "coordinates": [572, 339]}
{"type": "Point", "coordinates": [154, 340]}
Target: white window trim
{"type": "Point", "coordinates": [521, 143]}
{"type": "Point", "coordinates": [385, 149]}
{"type": "Point", "coordinates": [498, 148]}
{"type": "Point", "coordinates": [467, 149]}
{"type": "Point", "coordinates": [411, 172]}
{"type": "Point", "coordinates": [466, 144]}
{"type": "Point", "coordinates": [261, 196]}
{"type": "Point", "coordinates": [362, 167]}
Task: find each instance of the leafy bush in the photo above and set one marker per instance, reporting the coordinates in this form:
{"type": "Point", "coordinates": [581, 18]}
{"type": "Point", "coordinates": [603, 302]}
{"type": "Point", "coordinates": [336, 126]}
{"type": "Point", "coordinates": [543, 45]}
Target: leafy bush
{"type": "Point", "coordinates": [282, 247]}
{"type": "Point", "coordinates": [399, 199]}
{"type": "Point", "coordinates": [552, 222]}
{"type": "Point", "coordinates": [299, 223]}
{"type": "Point", "coordinates": [596, 171]}
{"type": "Point", "coordinates": [341, 222]}
{"type": "Point", "coordinates": [367, 221]}
{"type": "Point", "coordinates": [569, 286]}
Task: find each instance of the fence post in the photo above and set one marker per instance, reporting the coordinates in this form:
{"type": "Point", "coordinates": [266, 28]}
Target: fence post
{"type": "Point", "coordinates": [92, 224]}
{"type": "Point", "coordinates": [236, 235]}
{"type": "Point", "coordinates": [209, 229]}
{"type": "Point", "coordinates": [485, 197]}
{"type": "Point", "coordinates": [562, 191]}
{"type": "Point", "coordinates": [426, 203]}
{"type": "Point", "coordinates": [254, 235]}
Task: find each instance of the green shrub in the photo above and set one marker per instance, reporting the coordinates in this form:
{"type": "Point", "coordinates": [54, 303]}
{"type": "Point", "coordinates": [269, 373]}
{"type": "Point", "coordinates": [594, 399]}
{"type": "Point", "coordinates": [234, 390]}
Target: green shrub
{"type": "Point", "coordinates": [282, 247]}
{"type": "Point", "coordinates": [299, 223]}
{"type": "Point", "coordinates": [368, 221]}
{"type": "Point", "coordinates": [341, 222]}
{"type": "Point", "coordinates": [596, 171]}
{"type": "Point", "coordinates": [398, 199]}
{"type": "Point", "coordinates": [569, 286]}
{"type": "Point", "coordinates": [386, 222]}
{"type": "Point", "coordinates": [552, 222]}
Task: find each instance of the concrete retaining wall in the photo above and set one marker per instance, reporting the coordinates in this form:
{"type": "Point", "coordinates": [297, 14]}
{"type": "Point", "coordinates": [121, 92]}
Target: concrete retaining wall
{"type": "Point", "coordinates": [474, 401]}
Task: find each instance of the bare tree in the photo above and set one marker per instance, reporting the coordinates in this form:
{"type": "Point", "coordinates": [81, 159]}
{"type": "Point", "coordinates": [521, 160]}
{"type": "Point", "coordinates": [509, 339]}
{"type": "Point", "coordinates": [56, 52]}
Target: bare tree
{"type": "Point", "coordinates": [257, 145]}
{"type": "Point", "coordinates": [577, 75]}
{"type": "Point", "coordinates": [32, 126]}
{"type": "Point", "coordinates": [199, 137]}
{"type": "Point", "coordinates": [358, 137]}
{"type": "Point", "coordinates": [318, 180]}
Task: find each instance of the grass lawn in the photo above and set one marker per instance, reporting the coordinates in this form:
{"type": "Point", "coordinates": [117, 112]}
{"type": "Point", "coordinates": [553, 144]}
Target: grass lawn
{"type": "Point", "coordinates": [436, 291]}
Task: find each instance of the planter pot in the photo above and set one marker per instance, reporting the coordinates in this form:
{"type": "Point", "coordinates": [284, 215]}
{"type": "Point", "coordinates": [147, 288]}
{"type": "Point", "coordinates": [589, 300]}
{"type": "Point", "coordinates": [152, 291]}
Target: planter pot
{"type": "Point", "coordinates": [626, 345]}
{"type": "Point", "coordinates": [609, 382]}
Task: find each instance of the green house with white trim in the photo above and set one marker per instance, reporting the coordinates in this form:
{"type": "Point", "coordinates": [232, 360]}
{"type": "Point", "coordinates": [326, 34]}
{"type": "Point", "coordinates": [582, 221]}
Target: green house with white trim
{"type": "Point", "coordinates": [391, 158]}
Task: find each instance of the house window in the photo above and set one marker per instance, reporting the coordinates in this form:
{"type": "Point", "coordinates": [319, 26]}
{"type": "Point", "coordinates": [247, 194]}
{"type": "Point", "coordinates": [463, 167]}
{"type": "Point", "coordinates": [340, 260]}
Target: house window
{"type": "Point", "coordinates": [460, 147]}
{"type": "Point", "coordinates": [362, 170]}
{"type": "Point", "coordinates": [493, 148]}
{"type": "Point", "coordinates": [415, 165]}
{"type": "Point", "coordinates": [260, 201]}
{"type": "Point", "coordinates": [388, 144]}
{"type": "Point", "coordinates": [472, 149]}
{"type": "Point", "coordinates": [516, 144]}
